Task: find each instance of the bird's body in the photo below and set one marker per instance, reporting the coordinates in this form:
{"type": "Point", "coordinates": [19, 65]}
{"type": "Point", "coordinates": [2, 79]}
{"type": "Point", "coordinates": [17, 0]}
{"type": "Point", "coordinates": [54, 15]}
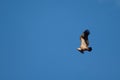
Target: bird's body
{"type": "Point", "coordinates": [84, 42]}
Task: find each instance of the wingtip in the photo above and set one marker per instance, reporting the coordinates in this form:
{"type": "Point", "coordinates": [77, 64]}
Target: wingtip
{"type": "Point", "coordinates": [81, 51]}
{"type": "Point", "coordinates": [87, 31]}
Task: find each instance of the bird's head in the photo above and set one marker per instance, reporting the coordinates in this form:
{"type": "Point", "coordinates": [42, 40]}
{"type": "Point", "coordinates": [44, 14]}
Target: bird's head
{"type": "Point", "coordinates": [78, 48]}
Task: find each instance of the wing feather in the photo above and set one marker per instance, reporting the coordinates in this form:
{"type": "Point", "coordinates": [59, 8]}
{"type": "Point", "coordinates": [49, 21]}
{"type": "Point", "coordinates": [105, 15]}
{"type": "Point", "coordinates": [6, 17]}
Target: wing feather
{"type": "Point", "coordinates": [84, 38]}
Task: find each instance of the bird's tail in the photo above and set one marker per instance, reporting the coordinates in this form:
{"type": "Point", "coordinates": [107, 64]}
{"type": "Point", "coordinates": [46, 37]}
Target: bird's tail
{"type": "Point", "coordinates": [90, 49]}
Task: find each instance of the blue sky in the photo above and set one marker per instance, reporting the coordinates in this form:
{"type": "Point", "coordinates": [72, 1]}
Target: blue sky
{"type": "Point", "coordinates": [39, 39]}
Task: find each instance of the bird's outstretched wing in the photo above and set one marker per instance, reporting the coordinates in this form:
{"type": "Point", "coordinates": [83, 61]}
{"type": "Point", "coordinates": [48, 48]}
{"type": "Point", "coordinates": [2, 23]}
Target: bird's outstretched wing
{"type": "Point", "coordinates": [84, 38]}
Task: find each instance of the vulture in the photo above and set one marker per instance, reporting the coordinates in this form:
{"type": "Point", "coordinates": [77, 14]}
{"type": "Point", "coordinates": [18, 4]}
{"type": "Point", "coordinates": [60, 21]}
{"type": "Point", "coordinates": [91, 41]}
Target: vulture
{"type": "Point", "coordinates": [84, 42]}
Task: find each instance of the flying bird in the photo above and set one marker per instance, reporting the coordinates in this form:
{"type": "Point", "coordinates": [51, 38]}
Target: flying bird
{"type": "Point", "coordinates": [84, 42]}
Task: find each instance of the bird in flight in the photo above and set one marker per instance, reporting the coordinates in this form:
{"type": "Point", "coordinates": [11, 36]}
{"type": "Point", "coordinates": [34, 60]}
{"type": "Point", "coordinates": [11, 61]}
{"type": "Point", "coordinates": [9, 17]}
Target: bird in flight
{"type": "Point", "coordinates": [84, 42]}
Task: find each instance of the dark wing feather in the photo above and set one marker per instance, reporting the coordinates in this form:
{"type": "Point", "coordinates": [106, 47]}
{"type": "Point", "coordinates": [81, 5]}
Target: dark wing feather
{"type": "Point", "coordinates": [85, 36]}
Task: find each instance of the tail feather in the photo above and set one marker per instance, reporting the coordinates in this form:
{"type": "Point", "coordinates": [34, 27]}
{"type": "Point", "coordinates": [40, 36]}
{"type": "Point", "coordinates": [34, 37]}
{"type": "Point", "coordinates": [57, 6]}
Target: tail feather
{"type": "Point", "coordinates": [90, 49]}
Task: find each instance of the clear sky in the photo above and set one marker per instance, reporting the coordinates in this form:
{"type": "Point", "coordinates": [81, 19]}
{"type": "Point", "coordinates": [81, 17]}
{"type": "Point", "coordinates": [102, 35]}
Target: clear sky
{"type": "Point", "coordinates": [38, 39]}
